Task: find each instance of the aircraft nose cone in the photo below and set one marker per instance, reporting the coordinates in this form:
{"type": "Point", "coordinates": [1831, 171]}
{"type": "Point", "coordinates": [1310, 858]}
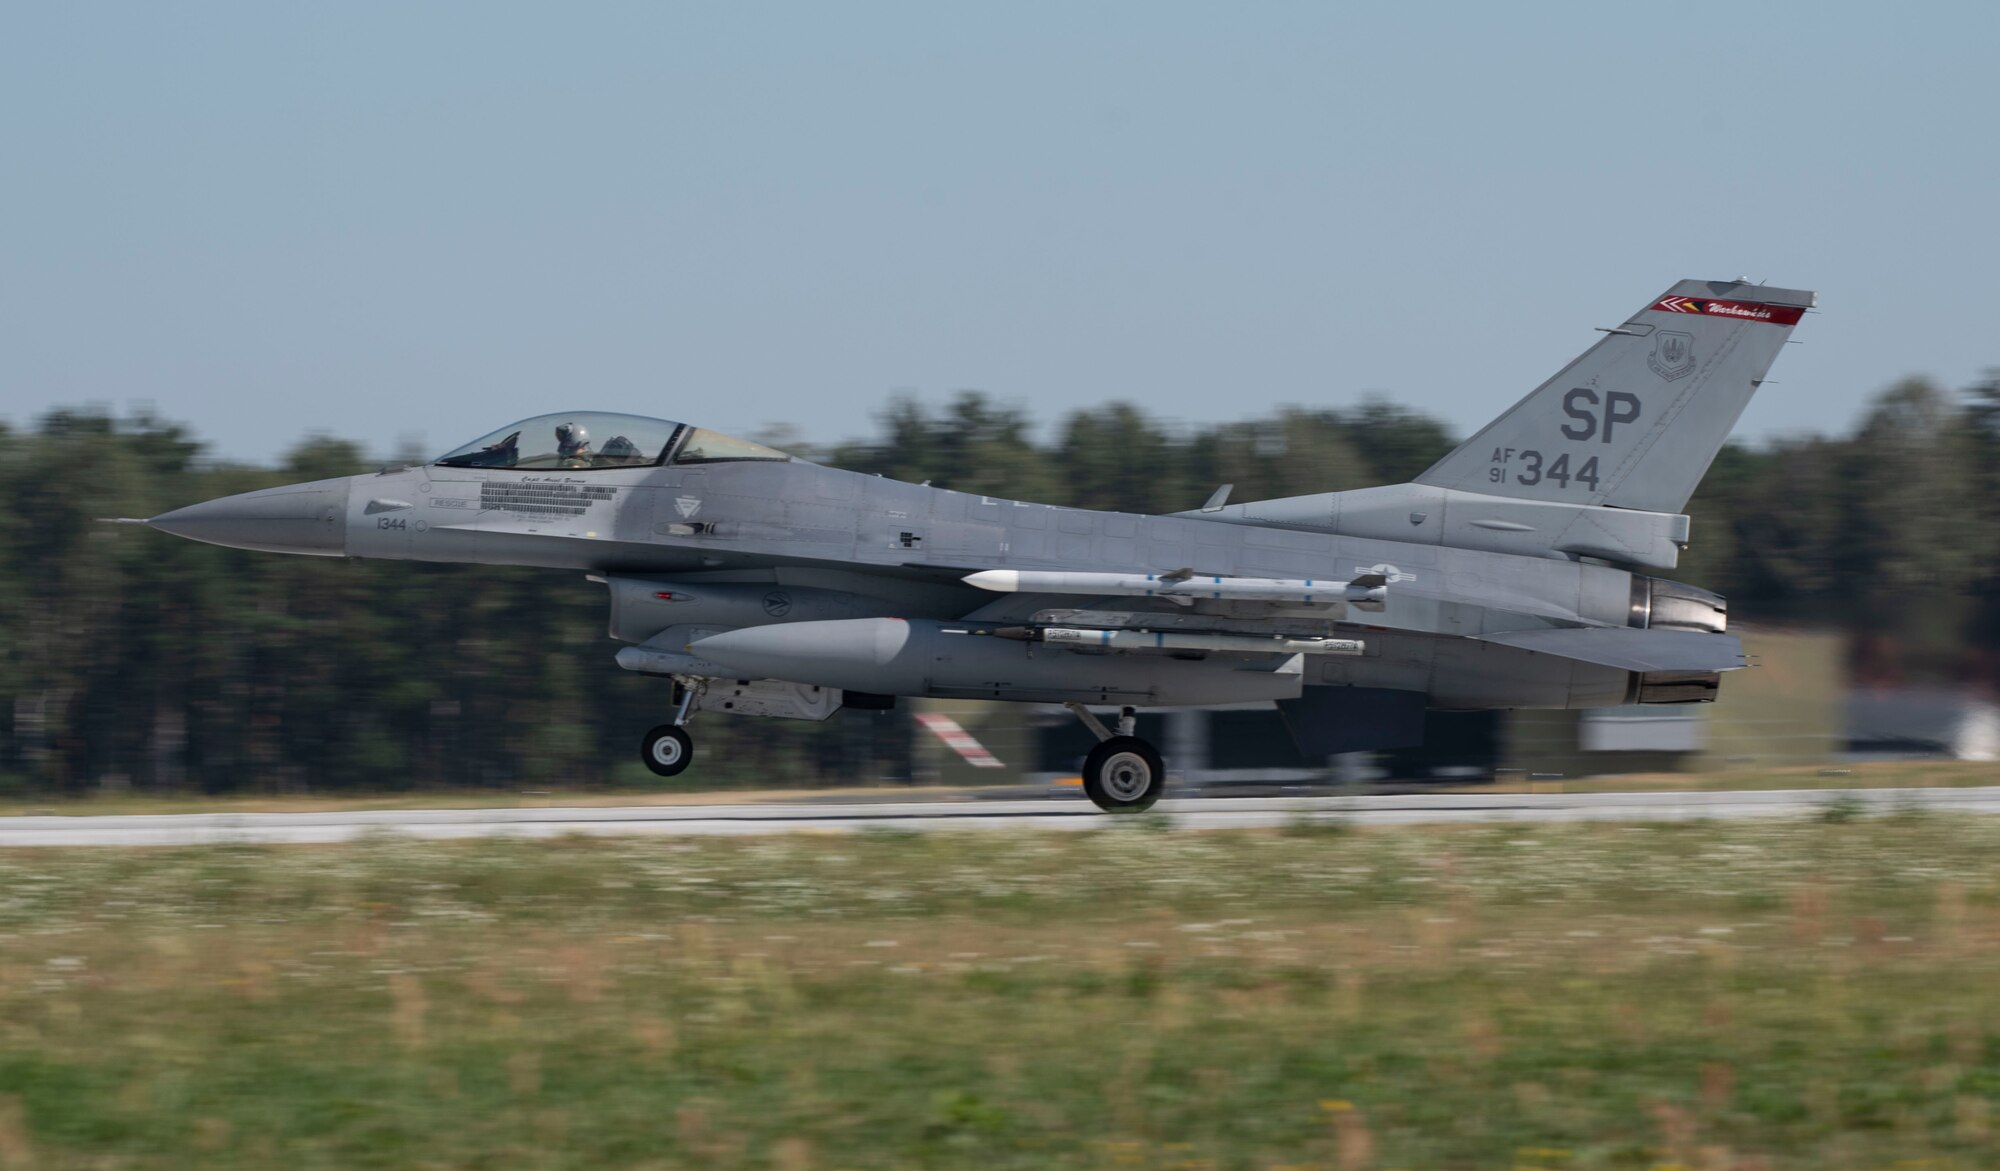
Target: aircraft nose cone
{"type": "Point", "coordinates": [298, 518]}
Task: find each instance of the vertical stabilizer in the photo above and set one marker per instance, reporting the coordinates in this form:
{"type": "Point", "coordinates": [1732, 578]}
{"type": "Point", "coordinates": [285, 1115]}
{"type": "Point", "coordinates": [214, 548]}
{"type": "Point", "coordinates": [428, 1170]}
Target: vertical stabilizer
{"type": "Point", "coordinates": [1635, 421]}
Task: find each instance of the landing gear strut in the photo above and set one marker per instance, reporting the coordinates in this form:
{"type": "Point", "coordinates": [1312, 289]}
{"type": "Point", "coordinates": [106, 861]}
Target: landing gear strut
{"type": "Point", "coordinates": [668, 749]}
{"type": "Point", "coordinates": [1123, 774]}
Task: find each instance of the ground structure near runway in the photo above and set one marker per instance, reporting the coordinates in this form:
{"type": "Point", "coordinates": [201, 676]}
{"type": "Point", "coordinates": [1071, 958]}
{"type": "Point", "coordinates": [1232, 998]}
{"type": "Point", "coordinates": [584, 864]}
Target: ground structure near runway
{"type": "Point", "coordinates": [1766, 992]}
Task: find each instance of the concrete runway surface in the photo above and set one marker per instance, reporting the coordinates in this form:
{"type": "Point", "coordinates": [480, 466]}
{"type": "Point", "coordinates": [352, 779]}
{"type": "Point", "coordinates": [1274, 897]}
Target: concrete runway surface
{"type": "Point", "coordinates": [1056, 811]}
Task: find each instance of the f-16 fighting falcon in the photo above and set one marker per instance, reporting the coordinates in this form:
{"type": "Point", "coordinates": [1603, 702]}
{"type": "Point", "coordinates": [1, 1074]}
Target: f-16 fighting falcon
{"type": "Point", "coordinates": [1517, 572]}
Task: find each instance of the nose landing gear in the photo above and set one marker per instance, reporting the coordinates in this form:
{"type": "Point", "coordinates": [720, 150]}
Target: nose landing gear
{"type": "Point", "coordinates": [668, 749]}
{"type": "Point", "coordinates": [1123, 774]}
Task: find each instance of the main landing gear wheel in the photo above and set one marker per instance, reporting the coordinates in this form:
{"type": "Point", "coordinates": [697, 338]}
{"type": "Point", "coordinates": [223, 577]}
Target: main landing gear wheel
{"type": "Point", "coordinates": [1123, 775]}
{"type": "Point", "coordinates": [667, 750]}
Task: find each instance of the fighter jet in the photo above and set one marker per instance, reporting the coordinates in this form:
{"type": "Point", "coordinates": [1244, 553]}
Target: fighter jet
{"type": "Point", "coordinates": [1520, 571]}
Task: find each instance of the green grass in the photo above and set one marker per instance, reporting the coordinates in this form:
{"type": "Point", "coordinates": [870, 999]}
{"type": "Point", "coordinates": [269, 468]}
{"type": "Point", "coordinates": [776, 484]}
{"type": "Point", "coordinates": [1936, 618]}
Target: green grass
{"type": "Point", "coordinates": [1807, 994]}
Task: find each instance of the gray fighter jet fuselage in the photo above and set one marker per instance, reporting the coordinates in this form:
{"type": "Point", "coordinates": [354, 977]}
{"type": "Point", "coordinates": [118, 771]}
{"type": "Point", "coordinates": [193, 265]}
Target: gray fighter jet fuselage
{"type": "Point", "coordinates": [1521, 571]}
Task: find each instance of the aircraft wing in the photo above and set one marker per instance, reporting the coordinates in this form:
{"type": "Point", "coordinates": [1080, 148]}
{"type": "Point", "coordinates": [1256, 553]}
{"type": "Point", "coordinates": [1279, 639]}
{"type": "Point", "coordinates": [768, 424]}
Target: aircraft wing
{"type": "Point", "coordinates": [1629, 648]}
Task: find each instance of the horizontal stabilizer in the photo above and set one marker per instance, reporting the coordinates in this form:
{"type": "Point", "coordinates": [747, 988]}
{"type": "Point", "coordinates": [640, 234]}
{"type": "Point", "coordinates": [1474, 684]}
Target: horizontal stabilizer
{"type": "Point", "coordinates": [1629, 648]}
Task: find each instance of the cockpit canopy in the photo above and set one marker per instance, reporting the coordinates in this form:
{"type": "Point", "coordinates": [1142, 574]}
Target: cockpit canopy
{"type": "Point", "coordinates": [588, 440]}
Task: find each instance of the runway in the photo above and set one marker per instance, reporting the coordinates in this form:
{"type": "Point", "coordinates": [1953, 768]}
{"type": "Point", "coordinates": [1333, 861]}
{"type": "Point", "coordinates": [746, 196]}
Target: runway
{"type": "Point", "coordinates": [1065, 811]}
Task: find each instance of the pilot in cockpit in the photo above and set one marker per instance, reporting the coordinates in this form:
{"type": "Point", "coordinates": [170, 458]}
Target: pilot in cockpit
{"type": "Point", "coordinates": [573, 445]}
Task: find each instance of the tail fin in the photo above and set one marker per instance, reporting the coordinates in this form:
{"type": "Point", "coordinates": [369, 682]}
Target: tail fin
{"type": "Point", "coordinates": [1635, 421]}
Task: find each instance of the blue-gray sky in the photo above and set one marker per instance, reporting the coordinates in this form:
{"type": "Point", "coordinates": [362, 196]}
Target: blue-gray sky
{"type": "Point", "coordinates": [397, 221]}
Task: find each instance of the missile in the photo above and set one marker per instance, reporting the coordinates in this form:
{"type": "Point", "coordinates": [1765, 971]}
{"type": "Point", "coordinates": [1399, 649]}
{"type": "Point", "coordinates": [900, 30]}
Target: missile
{"type": "Point", "coordinates": [1121, 639]}
{"type": "Point", "coordinates": [1366, 590]}
{"type": "Point", "coordinates": [1180, 640]}
{"type": "Point", "coordinates": [1291, 626]}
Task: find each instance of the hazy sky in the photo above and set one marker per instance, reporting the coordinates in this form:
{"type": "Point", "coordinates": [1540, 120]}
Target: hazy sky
{"type": "Point", "coordinates": [421, 221]}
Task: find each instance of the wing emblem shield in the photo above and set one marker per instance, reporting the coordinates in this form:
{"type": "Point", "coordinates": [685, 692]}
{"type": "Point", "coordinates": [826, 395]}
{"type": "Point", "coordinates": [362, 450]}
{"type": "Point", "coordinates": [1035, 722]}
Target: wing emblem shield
{"type": "Point", "coordinates": [1673, 354]}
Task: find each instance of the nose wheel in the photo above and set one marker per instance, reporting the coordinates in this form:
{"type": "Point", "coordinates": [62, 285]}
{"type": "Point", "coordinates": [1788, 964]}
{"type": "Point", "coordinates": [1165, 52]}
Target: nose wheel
{"type": "Point", "coordinates": [1123, 774]}
{"type": "Point", "coordinates": [668, 749]}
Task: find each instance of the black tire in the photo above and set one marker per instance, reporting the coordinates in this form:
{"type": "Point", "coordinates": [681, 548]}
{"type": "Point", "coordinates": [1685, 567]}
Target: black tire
{"type": "Point", "coordinates": [1124, 775]}
{"type": "Point", "coordinates": [667, 750]}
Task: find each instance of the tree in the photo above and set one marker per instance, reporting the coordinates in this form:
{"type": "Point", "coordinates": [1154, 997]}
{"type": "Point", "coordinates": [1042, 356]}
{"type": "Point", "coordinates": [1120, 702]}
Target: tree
{"type": "Point", "coordinates": [975, 446]}
{"type": "Point", "coordinates": [1916, 543]}
{"type": "Point", "coordinates": [1116, 458]}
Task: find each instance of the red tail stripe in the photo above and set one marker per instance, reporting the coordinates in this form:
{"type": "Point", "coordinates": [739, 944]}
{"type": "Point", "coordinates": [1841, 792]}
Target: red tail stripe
{"type": "Point", "coordinates": [1740, 310]}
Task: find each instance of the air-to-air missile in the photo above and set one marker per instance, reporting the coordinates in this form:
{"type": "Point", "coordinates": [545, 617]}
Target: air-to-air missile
{"type": "Point", "coordinates": [1365, 591]}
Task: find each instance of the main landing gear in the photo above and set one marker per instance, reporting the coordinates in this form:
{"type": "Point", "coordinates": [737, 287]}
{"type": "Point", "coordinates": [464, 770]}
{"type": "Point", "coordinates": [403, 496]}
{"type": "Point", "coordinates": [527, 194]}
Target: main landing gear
{"type": "Point", "coordinates": [1123, 774]}
{"type": "Point", "coordinates": [668, 749]}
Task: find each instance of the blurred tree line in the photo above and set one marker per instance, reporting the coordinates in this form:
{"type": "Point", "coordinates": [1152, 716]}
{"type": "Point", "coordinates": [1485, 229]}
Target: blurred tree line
{"type": "Point", "coordinates": [129, 658]}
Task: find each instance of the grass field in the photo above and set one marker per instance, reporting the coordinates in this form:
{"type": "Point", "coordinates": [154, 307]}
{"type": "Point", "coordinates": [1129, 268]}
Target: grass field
{"type": "Point", "coordinates": [1746, 996]}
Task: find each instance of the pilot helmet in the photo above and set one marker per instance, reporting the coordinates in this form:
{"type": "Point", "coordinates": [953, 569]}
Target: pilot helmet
{"type": "Point", "coordinates": [571, 437]}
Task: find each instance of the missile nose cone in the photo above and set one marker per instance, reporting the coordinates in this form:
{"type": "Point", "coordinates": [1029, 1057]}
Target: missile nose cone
{"type": "Point", "coordinates": [1003, 581]}
{"type": "Point", "coordinates": [298, 518]}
